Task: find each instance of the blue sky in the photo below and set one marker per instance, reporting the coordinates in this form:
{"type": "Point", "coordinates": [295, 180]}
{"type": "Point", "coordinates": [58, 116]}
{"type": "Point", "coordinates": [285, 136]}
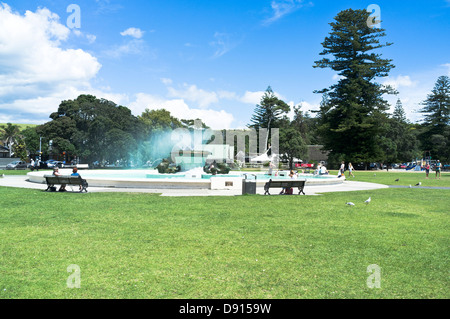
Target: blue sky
{"type": "Point", "coordinates": [207, 59]}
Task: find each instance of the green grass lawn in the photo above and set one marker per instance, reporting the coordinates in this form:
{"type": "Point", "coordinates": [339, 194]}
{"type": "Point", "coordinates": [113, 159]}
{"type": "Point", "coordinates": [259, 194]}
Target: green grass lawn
{"type": "Point", "coordinates": [405, 178]}
{"type": "Point", "coordinates": [14, 172]}
{"type": "Point", "coordinates": [130, 245]}
{"type": "Point", "coordinates": [20, 171]}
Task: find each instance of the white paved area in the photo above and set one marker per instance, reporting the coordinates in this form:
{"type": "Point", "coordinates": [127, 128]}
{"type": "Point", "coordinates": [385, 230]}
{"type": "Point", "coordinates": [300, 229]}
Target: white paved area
{"type": "Point", "coordinates": [347, 186]}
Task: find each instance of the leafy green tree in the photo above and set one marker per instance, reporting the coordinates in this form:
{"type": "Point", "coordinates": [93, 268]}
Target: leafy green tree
{"type": "Point", "coordinates": [158, 120]}
{"type": "Point", "coordinates": [118, 144]}
{"type": "Point", "coordinates": [84, 127]}
{"type": "Point", "coordinates": [292, 144]}
{"type": "Point", "coordinates": [306, 125]}
{"type": "Point", "coordinates": [353, 111]}
{"type": "Point", "coordinates": [31, 138]}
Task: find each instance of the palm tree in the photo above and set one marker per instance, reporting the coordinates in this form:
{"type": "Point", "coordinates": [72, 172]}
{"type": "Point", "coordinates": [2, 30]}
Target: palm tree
{"type": "Point", "coordinates": [9, 135]}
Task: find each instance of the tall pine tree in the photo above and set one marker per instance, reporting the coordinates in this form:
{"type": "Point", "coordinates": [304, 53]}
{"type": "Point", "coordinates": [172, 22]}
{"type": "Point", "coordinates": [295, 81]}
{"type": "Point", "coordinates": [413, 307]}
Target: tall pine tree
{"type": "Point", "coordinates": [268, 113]}
{"type": "Point", "coordinates": [436, 135]}
{"type": "Point", "coordinates": [353, 111]}
{"type": "Point", "coordinates": [437, 106]}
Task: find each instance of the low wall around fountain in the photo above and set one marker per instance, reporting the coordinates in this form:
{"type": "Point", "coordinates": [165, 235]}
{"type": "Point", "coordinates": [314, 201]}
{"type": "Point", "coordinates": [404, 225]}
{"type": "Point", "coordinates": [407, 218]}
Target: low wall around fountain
{"type": "Point", "coordinates": [125, 179]}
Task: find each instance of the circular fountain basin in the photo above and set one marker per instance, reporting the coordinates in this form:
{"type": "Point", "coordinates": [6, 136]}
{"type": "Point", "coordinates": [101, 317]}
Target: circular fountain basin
{"type": "Point", "coordinates": [186, 180]}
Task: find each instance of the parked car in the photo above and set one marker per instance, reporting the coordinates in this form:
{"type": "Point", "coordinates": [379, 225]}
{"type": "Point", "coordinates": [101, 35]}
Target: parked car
{"type": "Point", "coordinates": [53, 163]}
{"type": "Point", "coordinates": [17, 165]}
{"type": "Point", "coordinates": [374, 166]}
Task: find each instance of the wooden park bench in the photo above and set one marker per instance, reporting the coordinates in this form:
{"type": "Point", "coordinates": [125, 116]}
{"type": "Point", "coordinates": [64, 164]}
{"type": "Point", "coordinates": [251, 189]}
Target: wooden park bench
{"type": "Point", "coordinates": [53, 180]}
{"type": "Point", "coordinates": [291, 183]}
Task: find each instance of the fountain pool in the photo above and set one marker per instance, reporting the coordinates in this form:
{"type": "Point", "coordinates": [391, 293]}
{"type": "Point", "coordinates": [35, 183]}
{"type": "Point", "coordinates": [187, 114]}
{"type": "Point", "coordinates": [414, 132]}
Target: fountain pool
{"type": "Point", "coordinates": [193, 179]}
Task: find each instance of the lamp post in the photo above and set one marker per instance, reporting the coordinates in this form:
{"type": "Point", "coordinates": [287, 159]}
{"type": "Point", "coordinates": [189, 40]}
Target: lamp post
{"type": "Point", "coordinates": [40, 148]}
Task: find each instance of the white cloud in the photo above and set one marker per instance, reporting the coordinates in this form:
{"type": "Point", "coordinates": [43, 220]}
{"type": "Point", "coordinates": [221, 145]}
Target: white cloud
{"type": "Point", "coordinates": [400, 81]}
{"type": "Point", "coordinates": [181, 110]}
{"type": "Point", "coordinates": [35, 70]}
{"type": "Point", "coordinates": [91, 38]}
{"type": "Point", "coordinates": [132, 47]}
{"type": "Point", "coordinates": [133, 32]}
{"type": "Point", "coordinates": [193, 94]}
{"type": "Point", "coordinates": [222, 43]}
{"type": "Point", "coordinates": [413, 90]}
{"type": "Point", "coordinates": [254, 97]}
{"type": "Point", "coordinates": [280, 8]}
{"type": "Point", "coordinates": [447, 65]}
{"type": "Point", "coordinates": [35, 110]}
{"type": "Point", "coordinates": [227, 95]}
{"type": "Point", "coordinates": [166, 81]}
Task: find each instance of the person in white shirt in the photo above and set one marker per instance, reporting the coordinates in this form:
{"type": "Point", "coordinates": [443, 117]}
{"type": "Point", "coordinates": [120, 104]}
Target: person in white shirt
{"type": "Point", "coordinates": [342, 169]}
{"type": "Point", "coordinates": [350, 170]}
{"type": "Point", "coordinates": [323, 170]}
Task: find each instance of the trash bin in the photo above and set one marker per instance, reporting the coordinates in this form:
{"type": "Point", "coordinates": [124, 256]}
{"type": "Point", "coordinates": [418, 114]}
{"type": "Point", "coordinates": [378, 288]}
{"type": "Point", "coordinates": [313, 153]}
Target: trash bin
{"type": "Point", "coordinates": [249, 185]}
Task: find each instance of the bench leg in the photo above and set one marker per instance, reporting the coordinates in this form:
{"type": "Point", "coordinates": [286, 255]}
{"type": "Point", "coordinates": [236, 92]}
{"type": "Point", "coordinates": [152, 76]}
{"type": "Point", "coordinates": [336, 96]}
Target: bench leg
{"type": "Point", "coordinates": [84, 186]}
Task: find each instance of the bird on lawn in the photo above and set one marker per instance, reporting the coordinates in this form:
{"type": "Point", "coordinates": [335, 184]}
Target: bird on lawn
{"type": "Point", "coordinates": [410, 186]}
{"type": "Point", "coordinates": [397, 179]}
{"type": "Point", "coordinates": [419, 183]}
{"type": "Point", "coordinates": [350, 204]}
{"type": "Point", "coordinates": [368, 201]}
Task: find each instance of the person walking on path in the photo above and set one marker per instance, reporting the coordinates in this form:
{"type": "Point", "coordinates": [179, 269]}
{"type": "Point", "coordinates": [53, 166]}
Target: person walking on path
{"type": "Point", "coordinates": [342, 169]}
{"type": "Point", "coordinates": [350, 170]}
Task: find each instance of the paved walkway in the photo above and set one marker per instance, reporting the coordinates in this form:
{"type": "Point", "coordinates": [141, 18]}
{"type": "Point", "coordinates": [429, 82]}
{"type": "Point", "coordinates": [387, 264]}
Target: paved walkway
{"type": "Point", "coordinates": [347, 186]}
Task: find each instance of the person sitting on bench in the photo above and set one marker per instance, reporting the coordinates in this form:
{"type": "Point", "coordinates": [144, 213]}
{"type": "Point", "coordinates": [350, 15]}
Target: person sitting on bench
{"type": "Point", "coordinates": [288, 190]}
{"type": "Point", "coordinates": [57, 173]}
{"type": "Point", "coordinates": [323, 170]}
{"type": "Point", "coordinates": [75, 173]}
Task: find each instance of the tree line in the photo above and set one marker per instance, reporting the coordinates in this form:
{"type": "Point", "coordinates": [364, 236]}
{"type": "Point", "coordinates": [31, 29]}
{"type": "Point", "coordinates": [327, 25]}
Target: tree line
{"type": "Point", "coordinates": [95, 130]}
{"type": "Point", "coordinates": [353, 123]}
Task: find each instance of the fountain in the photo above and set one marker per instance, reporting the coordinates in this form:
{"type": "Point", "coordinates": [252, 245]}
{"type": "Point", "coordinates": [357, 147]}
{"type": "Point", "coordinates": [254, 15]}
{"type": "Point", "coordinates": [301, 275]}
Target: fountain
{"type": "Point", "coordinates": [195, 178]}
{"type": "Point", "coordinates": [189, 174]}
